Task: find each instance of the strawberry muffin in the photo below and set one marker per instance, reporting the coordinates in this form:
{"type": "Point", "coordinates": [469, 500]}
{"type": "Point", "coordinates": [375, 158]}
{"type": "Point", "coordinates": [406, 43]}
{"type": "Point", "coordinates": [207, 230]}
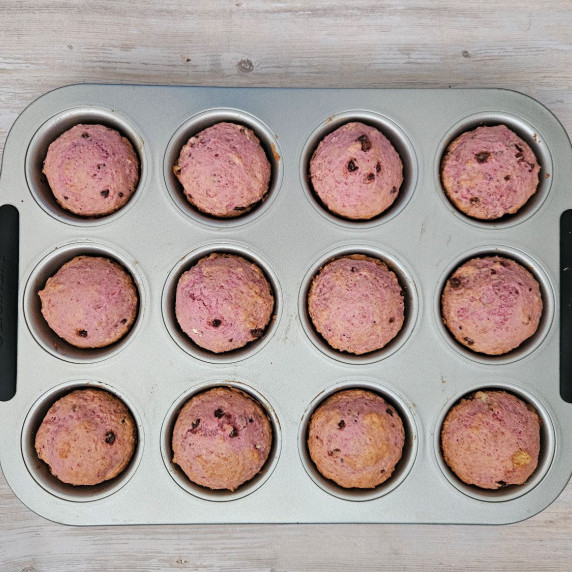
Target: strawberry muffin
{"type": "Point", "coordinates": [491, 439]}
{"type": "Point", "coordinates": [356, 172]}
{"type": "Point", "coordinates": [221, 438]}
{"type": "Point", "coordinates": [356, 438]}
{"type": "Point", "coordinates": [92, 170]}
{"type": "Point", "coordinates": [224, 170]}
{"type": "Point", "coordinates": [86, 437]}
{"type": "Point", "coordinates": [90, 302]}
{"type": "Point", "coordinates": [489, 172]}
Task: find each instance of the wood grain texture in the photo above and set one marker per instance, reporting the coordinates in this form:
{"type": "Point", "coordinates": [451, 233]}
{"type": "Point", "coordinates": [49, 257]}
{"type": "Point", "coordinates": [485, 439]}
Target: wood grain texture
{"type": "Point", "coordinates": [525, 45]}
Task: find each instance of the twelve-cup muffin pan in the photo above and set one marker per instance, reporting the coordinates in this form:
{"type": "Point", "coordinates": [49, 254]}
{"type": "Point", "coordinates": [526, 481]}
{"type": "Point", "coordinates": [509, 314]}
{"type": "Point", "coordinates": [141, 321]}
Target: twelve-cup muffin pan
{"type": "Point", "coordinates": [289, 370]}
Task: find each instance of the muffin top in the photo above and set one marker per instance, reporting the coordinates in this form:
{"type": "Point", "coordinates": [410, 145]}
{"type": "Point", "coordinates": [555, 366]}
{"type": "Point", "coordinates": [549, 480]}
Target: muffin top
{"type": "Point", "coordinates": [489, 172]}
{"type": "Point", "coordinates": [92, 170]}
{"type": "Point", "coordinates": [356, 172]}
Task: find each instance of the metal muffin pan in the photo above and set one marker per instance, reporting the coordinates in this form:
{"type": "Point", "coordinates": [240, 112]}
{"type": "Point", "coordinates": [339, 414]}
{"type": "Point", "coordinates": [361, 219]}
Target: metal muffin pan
{"type": "Point", "coordinates": [290, 370]}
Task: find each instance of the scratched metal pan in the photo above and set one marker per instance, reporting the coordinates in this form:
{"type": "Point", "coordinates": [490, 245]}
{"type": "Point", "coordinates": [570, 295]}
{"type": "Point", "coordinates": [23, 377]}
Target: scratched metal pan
{"type": "Point", "coordinates": [156, 236]}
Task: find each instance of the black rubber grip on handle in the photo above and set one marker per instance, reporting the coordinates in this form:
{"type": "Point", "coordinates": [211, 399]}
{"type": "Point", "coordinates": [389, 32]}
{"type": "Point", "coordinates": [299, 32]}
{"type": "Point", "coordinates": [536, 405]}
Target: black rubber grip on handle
{"type": "Point", "coordinates": [566, 306]}
{"type": "Point", "coordinates": [9, 258]}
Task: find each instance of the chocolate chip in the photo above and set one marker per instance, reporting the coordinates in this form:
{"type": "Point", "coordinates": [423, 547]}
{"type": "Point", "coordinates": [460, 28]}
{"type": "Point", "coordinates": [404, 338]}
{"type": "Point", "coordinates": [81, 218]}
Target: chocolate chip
{"type": "Point", "coordinates": [66, 198]}
{"type": "Point", "coordinates": [330, 453]}
{"type": "Point", "coordinates": [455, 283]}
{"type": "Point", "coordinates": [240, 209]}
{"type": "Point", "coordinates": [493, 271]}
{"type": "Point", "coordinates": [520, 156]}
{"type": "Point", "coordinates": [507, 177]}
{"type": "Point", "coordinates": [482, 157]}
{"type": "Point", "coordinates": [365, 142]}
{"type": "Point", "coordinates": [342, 424]}
{"type": "Point", "coordinates": [233, 433]}
{"type": "Point", "coordinates": [393, 190]}
{"type": "Point", "coordinates": [218, 413]}
{"type": "Point", "coordinates": [105, 193]}
{"type": "Point", "coordinates": [518, 148]}
{"type": "Point", "coordinates": [370, 177]}
{"type": "Point", "coordinates": [250, 420]}
{"type": "Point", "coordinates": [382, 471]}
{"type": "Point", "coordinates": [82, 333]}
{"type": "Point", "coordinates": [194, 425]}
{"type": "Point", "coordinates": [353, 269]}
{"type": "Point", "coordinates": [352, 166]}
{"type": "Point", "coordinates": [85, 135]}
{"type": "Point", "coordinates": [377, 167]}
{"type": "Point", "coordinates": [474, 200]}
{"type": "Point", "coordinates": [120, 195]}
{"type": "Point", "coordinates": [504, 264]}
{"type": "Point", "coordinates": [391, 320]}
{"type": "Point", "coordinates": [502, 483]}
{"type": "Point", "coordinates": [256, 332]}
{"type": "Point", "coordinates": [99, 165]}
{"type": "Point", "coordinates": [389, 411]}
{"type": "Point", "coordinates": [123, 420]}
{"type": "Point", "coordinates": [216, 323]}
{"type": "Point", "coordinates": [110, 437]}
{"type": "Point", "coordinates": [124, 321]}
{"type": "Point", "coordinates": [468, 341]}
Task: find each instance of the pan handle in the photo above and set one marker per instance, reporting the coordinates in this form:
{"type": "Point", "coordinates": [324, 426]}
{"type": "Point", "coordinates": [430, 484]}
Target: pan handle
{"type": "Point", "coordinates": [566, 306]}
{"type": "Point", "coordinates": [9, 259]}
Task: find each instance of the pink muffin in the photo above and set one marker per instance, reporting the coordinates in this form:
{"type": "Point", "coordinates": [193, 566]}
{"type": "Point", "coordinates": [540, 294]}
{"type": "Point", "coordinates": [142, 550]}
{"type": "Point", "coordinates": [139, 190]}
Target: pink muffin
{"type": "Point", "coordinates": [224, 302]}
{"type": "Point", "coordinates": [491, 439]}
{"type": "Point", "coordinates": [86, 437]}
{"type": "Point", "coordinates": [356, 303]}
{"type": "Point", "coordinates": [92, 170]}
{"type": "Point", "coordinates": [90, 302]}
{"type": "Point", "coordinates": [491, 304]}
{"type": "Point", "coordinates": [489, 172]}
{"type": "Point", "coordinates": [356, 172]}
{"type": "Point", "coordinates": [356, 439]}
{"type": "Point", "coordinates": [221, 438]}
{"type": "Point", "coordinates": [224, 170]}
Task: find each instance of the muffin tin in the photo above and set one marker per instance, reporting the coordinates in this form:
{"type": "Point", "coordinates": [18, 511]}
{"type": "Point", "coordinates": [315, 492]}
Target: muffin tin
{"type": "Point", "coordinates": [290, 370]}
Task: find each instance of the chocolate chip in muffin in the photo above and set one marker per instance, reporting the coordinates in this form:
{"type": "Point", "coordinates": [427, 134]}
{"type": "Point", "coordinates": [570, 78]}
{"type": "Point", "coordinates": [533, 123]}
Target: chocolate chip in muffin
{"type": "Point", "coordinates": [352, 166]}
{"type": "Point", "coordinates": [482, 157]}
{"type": "Point", "coordinates": [365, 142]}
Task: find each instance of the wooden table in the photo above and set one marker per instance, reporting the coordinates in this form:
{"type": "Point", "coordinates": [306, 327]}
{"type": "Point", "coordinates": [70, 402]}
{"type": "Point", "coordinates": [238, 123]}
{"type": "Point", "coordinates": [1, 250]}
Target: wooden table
{"type": "Point", "coordinates": [525, 45]}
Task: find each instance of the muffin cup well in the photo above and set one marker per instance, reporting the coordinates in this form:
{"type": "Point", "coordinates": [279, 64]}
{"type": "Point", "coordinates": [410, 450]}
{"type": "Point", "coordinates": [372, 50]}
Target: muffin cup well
{"type": "Point", "coordinates": [207, 119]}
{"type": "Point", "coordinates": [40, 470]}
{"type": "Point", "coordinates": [397, 138]}
{"type": "Point", "coordinates": [527, 133]}
{"type": "Point", "coordinates": [547, 447]}
{"type": "Point", "coordinates": [204, 492]}
{"type": "Point", "coordinates": [38, 326]}
{"type": "Point", "coordinates": [410, 294]}
{"type": "Point", "coordinates": [49, 132]}
{"type": "Point", "coordinates": [546, 292]}
{"type": "Point", "coordinates": [169, 296]}
{"type": "Point", "coordinates": [402, 468]}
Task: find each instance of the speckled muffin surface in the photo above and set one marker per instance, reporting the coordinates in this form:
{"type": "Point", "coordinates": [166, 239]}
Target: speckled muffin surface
{"type": "Point", "coordinates": [491, 439]}
{"type": "Point", "coordinates": [356, 303]}
{"type": "Point", "coordinates": [489, 172]}
{"type": "Point", "coordinates": [356, 172]}
{"type": "Point", "coordinates": [92, 170]}
{"type": "Point", "coordinates": [491, 304]}
{"type": "Point", "coordinates": [355, 438]}
{"type": "Point", "coordinates": [221, 438]}
{"type": "Point", "coordinates": [224, 302]}
{"type": "Point", "coordinates": [86, 437]}
{"type": "Point", "coordinates": [91, 302]}
{"type": "Point", "coordinates": [224, 170]}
